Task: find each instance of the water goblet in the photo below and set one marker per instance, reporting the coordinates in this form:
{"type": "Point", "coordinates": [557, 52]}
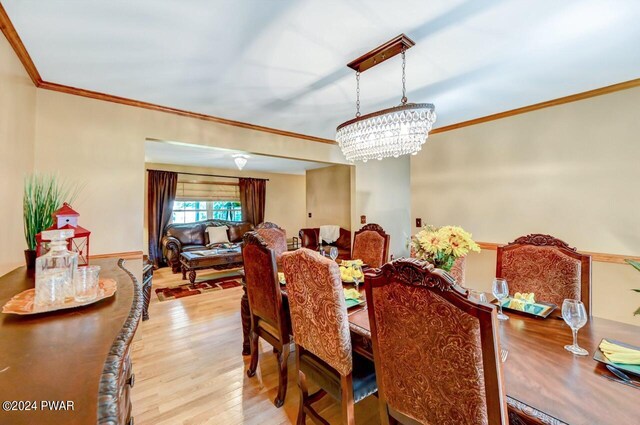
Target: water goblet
{"type": "Point", "coordinates": [357, 275]}
{"type": "Point", "coordinates": [477, 296]}
{"type": "Point", "coordinates": [500, 290]}
{"type": "Point", "coordinates": [333, 253]}
{"type": "Point", "coordinates": [574, 315]}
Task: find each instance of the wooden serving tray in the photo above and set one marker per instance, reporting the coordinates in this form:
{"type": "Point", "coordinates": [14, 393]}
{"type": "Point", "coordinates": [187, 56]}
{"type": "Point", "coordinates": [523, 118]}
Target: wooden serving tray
{"type": "Point", "coordinates": [23, 302]}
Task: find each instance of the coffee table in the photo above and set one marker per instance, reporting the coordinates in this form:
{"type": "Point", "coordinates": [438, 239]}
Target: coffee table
{"type": "Point", "coordinates": [217, 259]}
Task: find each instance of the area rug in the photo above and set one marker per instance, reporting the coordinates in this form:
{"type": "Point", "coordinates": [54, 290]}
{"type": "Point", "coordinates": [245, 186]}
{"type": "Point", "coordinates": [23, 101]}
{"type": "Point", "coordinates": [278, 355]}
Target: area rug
{"type": "Point", "coordinates": [202, 287]}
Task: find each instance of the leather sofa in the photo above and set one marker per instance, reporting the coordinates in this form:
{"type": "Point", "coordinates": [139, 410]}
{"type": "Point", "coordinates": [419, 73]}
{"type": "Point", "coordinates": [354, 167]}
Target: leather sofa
{"type": "Point", "coordinates": [309, 239]}
{"type": "Point", "coordinates": [182, 237]}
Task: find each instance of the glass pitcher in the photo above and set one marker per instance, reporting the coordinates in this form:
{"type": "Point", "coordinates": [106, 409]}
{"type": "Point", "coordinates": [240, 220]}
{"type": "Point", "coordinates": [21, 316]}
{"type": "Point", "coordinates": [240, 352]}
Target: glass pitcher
{"type": "Point", "coordinates": [55, 270]}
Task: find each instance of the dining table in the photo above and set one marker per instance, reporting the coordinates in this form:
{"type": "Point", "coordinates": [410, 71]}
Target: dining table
{"type": "Point", "coordinates": [544, 383]}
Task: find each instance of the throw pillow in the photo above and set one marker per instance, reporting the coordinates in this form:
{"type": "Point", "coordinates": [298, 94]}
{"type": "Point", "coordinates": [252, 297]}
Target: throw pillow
{"type": "Point", "coordinates": [217, 234]}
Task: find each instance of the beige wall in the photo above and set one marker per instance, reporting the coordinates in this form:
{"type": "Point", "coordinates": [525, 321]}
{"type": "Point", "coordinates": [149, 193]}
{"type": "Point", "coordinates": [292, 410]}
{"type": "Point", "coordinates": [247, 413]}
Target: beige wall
{"type": "Point", "coordinates": [329, 196]}
{"type": "Point", "coordinates": [101, 144]}
{"type": "Point", "coordinates": [17, 123]}
{"type": "Point", "coordinates": [382, 194]}
{"type": "Point", "coordinates": [285, 198]}
{"type": "Point", "coordinates": [571, 171]}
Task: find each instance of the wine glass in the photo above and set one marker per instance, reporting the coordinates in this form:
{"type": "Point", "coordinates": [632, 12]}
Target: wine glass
{"type": "Point", "coordinates": [333, 253]}
{"type": "Point", "coordinates": [575, 316]}
{"type": "Point", "coordinates": [357, 275]}
{"type": "Point", "coordinates": [500, 290]}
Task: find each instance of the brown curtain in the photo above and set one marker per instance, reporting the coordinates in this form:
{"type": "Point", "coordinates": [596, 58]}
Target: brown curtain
{"type": "Point", "coordinates": [252, 199]}
{"type": "Point", "coordinates": [161, 193]}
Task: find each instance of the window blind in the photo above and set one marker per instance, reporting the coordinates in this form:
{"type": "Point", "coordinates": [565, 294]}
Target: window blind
{"type": "Point", "coordinates": [207, 189]}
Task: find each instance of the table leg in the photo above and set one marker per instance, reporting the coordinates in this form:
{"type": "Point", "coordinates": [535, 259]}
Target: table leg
{"type": "Point", "coordinates": [245, 314]}
{"type": "Point", "coordinates": [184, 272]}
{"type": "Point", "coordinates": [192, 277]}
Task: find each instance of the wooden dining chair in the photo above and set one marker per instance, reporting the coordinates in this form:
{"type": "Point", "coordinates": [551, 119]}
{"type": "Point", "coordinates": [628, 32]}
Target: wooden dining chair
{"type": "Point", "coordinates": [274, 236]}
{"type": "Point", "coordinates": [268, 317]}
{"type": "Point", "coordinates": [546, 266]}
{"type": "Point", "coordinates": [321, 334]}
{"type": "Point", "coordinates": [371, 245]}
{"type": "Point", "coordinates": [436, 352]}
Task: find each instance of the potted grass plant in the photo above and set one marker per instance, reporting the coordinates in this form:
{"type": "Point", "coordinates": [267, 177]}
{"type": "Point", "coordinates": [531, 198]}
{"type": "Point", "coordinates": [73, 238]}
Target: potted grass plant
{"type": "Point", "coordinates": [636, 265]}
{"type": "Point", "coordinates": [43, 194]}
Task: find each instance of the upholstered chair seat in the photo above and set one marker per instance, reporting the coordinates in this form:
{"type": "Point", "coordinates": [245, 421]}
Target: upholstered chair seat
{"type": "Point", "coordinates": [371, 245]}
{"type": "Point", "coordinates": [363, 373]}
{"type": "Point", "coordinates": [269, 320]}
{"type": "Point", "coordinates": [321, 332]}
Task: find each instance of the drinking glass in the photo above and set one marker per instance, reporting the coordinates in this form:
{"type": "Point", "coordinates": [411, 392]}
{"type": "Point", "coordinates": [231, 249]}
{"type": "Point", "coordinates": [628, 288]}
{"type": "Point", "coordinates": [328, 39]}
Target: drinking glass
{"type": "Point", "coordinates": [333, 253]}
{"type": "Point", "coordinates": [85, 283]}
{"type": "Point", "coordinates": [477, 296]}
{"type": "Point", "coordinates": [500, 290]}
{"type": "Point", "coordinates": [357, 275]}
{"type": "Point", "coordinates": [575, 316]}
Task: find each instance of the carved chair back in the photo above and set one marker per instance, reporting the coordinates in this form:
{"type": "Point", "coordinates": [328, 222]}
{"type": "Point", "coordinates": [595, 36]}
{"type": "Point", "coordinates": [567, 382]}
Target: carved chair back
{"type": "Point", "coordinates": [436, 352]}
{"type": "Point", "coordinates": [371, 245]}
{"type": "Point", "coordinates": [263, 287]}
{"type": "Point", "coordinates": [547, 267]}
{"type": "Point", "coordinates": [317, 307]}
{"type": "Point", "coordinates": [274, 236]}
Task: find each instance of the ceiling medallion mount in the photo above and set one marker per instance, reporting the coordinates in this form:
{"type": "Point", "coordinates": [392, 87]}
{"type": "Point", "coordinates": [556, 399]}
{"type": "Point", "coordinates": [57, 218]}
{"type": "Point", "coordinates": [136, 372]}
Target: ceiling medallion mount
{"type": "Point", "coordinates": [391, 132]}
{"type": "Point", "coordinates": [240, 160]}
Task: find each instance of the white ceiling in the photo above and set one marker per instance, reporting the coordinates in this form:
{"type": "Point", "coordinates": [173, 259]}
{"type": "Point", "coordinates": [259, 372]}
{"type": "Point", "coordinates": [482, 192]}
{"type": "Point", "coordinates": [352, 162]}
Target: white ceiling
{"type": "Point", "coordinates": [204, 156]}
{"type": "Point", "coordinates": [282, 63]}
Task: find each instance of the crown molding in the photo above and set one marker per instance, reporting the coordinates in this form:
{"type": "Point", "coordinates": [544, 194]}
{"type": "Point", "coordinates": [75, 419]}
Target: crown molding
{"type": "Point", "coordinates": [14, 40]}
{"type": "Point", "coordinates": [547, 104]}
{"type": "Point", "coordinates": [12, 36]}
{"type": "Point", "coordinates": [154, 107]}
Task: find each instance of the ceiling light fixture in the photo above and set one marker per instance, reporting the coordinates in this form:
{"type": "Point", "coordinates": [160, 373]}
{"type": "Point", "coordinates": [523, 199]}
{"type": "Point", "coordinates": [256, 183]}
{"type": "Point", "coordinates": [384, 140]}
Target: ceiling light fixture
{"type": "Point", "coordinates": [390, 132]}
{"type": "Point", "coordinates": [240, 160]}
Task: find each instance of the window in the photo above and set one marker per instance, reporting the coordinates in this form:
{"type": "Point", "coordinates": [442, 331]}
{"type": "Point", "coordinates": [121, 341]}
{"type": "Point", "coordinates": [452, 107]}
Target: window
{"type": "Point", "coordinates": [191, 211]}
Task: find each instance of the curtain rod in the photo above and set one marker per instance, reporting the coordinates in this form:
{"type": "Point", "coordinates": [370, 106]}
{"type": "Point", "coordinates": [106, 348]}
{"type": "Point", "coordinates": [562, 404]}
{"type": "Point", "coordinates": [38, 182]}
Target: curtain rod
{"type": "Point", "coordinates": [209, 175]}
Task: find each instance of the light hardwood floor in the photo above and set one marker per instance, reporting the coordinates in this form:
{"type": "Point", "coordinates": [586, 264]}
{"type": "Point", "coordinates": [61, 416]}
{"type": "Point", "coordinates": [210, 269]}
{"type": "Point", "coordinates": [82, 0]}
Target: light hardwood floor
{"type": "Point", "coordinates": [190, 370]}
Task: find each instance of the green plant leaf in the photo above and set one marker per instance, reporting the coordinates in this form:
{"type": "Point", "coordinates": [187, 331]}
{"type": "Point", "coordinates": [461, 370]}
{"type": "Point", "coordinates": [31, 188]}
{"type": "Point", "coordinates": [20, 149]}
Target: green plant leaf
{"type": "Point", "coordinates": [635, 264]}
{"type": "Point", "coordinates": [637, 312]}
{"type": "Point", "coordinates": [637, 290]}
{"type": "Point", "coordinates": [43, 194]}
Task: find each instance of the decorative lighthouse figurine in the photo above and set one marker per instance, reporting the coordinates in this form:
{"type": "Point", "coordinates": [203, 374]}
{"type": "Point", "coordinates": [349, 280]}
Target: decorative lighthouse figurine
{"type": "Point", "coordinates": [66, 218]}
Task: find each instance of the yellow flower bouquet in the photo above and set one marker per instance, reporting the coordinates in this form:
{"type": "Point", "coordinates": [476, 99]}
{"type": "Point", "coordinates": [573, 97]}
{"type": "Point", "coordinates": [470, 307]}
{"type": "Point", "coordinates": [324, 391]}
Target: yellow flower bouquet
{"type": "Point", "coordinates": [441, 246]}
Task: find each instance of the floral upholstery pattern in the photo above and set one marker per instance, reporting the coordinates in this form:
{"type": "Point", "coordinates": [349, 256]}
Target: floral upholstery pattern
{"type": "Point", "coordinates": [368, 246]}
{"type": "Point", "coordinates": [262, 288]}
{"type": "Point", "coordinates": [543, 270]}
{"type": "Point", "coordinates": [276, 239]}
{"type": "Point", "coordinates": [317, 307]}
{"type": "Point", "coordinates": [437, 377]}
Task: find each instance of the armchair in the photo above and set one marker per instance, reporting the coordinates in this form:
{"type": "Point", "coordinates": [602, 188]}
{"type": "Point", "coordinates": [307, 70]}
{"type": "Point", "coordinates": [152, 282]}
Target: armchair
{"type": "Point", "coordinates": [309, 239]}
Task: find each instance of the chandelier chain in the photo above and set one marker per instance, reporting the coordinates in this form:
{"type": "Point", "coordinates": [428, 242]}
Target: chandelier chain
{"type": "Point", "coordinates": [404, 78]}
{"type": "Point", "coordinates": [357, 93]}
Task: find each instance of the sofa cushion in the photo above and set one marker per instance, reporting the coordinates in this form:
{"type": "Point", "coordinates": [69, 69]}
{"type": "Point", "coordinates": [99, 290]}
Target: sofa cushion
{"type": "Point", "coordinates": [187, 233]}
{"type": "Point", "coordinates": [217, 234]}
{"type": "Point", "coordinates": [193, 248]}
{"type": "Point", "coordinates": [236, 232]}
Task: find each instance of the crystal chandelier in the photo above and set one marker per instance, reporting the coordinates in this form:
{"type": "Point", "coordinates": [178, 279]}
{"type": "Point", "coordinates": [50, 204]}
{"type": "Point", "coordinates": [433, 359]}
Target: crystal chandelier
{"type": "Point", "coordinates": [391, 132]}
